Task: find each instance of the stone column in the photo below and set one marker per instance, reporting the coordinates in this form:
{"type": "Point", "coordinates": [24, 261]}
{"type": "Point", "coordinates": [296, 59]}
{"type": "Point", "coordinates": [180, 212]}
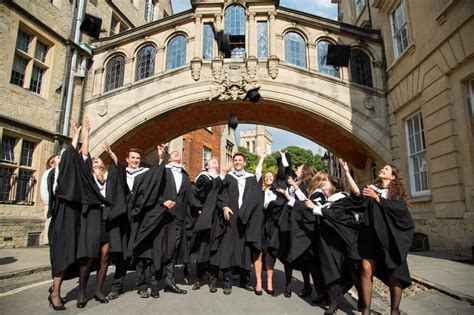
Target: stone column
{"type": "Point", "coordinates": [252, 35]}
{"type": "Point", "coordinates": [198, 36]}
{"type": "Point", "coordinates": [272, 33]}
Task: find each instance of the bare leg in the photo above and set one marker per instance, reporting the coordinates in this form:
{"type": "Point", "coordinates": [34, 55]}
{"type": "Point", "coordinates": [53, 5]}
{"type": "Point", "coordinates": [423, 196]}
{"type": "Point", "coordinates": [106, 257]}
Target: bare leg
{"type": "Point", "coordinates": [258, 272]}
{"type": "Point", "coordinates": [102, 272]}
{"type": "Point", "coordinates": [366, 282]}
{"type": "Point", "coordinates": [84, 272]}
{"type": "Point", "coordinates": [56, 293]}
{"type": "Point", "coordinates": [269, 277]}
{"type": "Point", "coordinates": [396, 290]}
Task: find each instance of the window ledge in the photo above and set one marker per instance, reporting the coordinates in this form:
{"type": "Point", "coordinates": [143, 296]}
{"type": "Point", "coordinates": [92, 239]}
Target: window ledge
{"type": "Point", "coordinates": [421, 198]}
{"type": "Point", "coordinates": [410, 50]}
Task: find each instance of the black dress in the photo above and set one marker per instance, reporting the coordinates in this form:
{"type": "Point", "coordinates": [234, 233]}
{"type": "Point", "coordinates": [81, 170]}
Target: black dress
{"type": "Point", "coordinates": [270, 226]}
{"type": "Point", "coordinates": [385, 237]}
{"type": "Point", "coordinates": [76, 211]}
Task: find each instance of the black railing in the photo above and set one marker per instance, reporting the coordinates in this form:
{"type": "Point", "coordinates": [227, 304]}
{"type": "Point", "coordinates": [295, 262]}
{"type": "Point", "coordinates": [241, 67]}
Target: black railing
{"type": "Point", "coordinates": [16, 189]}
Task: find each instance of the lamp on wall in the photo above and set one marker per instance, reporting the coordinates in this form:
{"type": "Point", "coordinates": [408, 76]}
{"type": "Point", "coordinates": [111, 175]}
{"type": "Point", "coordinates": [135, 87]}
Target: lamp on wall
{"type": "Point", "coordinates": [325, 159]}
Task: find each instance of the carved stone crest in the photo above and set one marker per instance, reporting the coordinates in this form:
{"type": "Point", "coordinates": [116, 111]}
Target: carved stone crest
{"type": "Point", "coordinates": [273, 63]}
{"type": "Point", "coordinates": [196, 65]}
{"type": "Point", "coordinates": [252, 62]}
{"type": "Point", "coordinates": [232, 83]}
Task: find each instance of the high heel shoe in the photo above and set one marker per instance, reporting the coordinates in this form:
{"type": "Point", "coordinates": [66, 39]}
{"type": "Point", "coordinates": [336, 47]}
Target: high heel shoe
{"type": "Point", "coordinates": [81, 304]}
{"type": "Point", "coordinates": [271, 292]}
{"type": "Point", "coordinates": [50, 290]}
{"type": "Point", "coordinates": [257, 292]}
{"type": "Point", "coordinates": [55, 307]}
{"type": "Point", "coordinates": [101, 300]}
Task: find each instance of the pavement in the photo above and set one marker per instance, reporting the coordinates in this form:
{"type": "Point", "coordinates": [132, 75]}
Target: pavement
{"type": "Point", "coordinates": [447, 284]}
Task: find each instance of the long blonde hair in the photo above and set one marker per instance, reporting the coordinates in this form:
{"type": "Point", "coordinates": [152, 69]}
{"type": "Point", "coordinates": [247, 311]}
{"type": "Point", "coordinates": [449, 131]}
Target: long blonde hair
{"type": "Point", "coordinates": [265, 186]}
{"type": "Point", "coordinates": [316, 182]}
{"type": "Point", "coordinates": [100, 173]}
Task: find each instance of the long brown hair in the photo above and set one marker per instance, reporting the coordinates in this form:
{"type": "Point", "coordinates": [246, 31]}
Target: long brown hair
{"type": "Point", "coordinates": [308, 173]}
{"type": "Point", "coordinates": [316, 182]}
{"type": "Point", "coordinates": [337, 184]}
{"type": "Point", "coordinates": [396, 186]}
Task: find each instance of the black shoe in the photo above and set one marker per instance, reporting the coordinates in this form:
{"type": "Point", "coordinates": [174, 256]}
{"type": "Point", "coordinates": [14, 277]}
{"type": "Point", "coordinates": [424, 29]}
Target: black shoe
{"type": "Point", "coordinates": [103, 300]}
{"type": "Point", "coordinates": [56, 307]}
{"type": "Point", "coordinates": [247, 287]}
{"type": "Point", "coordinates": [174, 289]}
{"type": "Point", "coordinates": [360, 305]}
{"type": "Point", "coordinates": [227, 290]}
{"type": "Point", "coordinates": [50, 290]}
{"type": "Point", "coordinates": [155, 293]}
{"type": "Point", "coordinates": [144, 294]}
{"type": "Point", "coordinates": [271, 292]}
{"type": "Point", "coordinates": [81, 304]}
{"type": "Point", "coordinates": [196, 285]}
{"type": "Point", "coordinates": [321, 298]}
{"type": "Point", "coordinates": [114, 294]}
{"type": "Point", "coordinates": [257, 292]}
{"type": "Point", "coordinates": [287, 293]}
{"type": "Point", "coordinates": [305, 293]}
{"type": "Point", "coordinates": [212, 288]}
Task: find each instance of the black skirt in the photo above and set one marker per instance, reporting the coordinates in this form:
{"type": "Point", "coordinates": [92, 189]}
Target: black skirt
{"type": "Point", "coordinates": [104, 232]}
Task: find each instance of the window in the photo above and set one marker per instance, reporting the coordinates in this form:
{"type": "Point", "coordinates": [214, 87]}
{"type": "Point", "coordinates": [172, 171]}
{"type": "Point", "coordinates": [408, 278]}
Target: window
{"type": "Point", "coordinates": [229, 148]}
{"type": "Point", "coordinates": [418, 165]}
{"type": "Point", "coordinates": [234, 25]}
{"type": "Point", "coordinates": [114, 73]}
{"type": "Point", "coordinates": [359, 6]}
{"type": "Point", "coordinates": [30, 62]}
{"type": "Point", "coordinates": [322, 48]}
{"type": "Point", "coordinates": [117, 25]}
{"type": "Point", "coordinates": [262, 39]}
{"type": "Point", "coordinates": [176, 52]}
{"type": "Point", "coordinates": [17, 179]}
{"type": "Point", "coordinates": [145, 66]}
{"type": "Point", "coordinates": [295, 49]}
{"type": "Point", "coordinates": [208, 41]}
{"type": "Point", "coordinates": [206, 156]}
{"type": "Point", "coordinates": [149, 10]}
{"type": "Point", "coordinates": [400, 29]}
{"type": "Point", "coordinates": [360, 68]}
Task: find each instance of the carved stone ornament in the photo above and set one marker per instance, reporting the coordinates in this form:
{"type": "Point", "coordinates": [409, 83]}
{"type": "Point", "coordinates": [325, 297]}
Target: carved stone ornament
{"type": "Point", "coordinates": [252, 62]}
{"type": "Point", "coordinates": [273, 64]}
{"type": "Point", "coordinates": [369, 103]}
{"type": "Point", "coordinates": [196, 65]}
{"type": "Point", "coordinates": [102, 110]}
{"type": "Point", "coordinates": [233, 84]}
{"type": "Point", "coordinates": [217, 66]}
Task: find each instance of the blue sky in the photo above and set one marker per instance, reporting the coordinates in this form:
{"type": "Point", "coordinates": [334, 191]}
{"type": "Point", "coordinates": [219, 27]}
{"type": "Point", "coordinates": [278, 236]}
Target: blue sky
{"type": "Point", "coordinates": [325, 8]}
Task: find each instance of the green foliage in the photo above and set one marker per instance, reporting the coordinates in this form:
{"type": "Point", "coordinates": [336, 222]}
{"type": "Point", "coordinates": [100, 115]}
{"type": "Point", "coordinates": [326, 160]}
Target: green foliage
{"type": "Point", "coordinates": [298, 157]}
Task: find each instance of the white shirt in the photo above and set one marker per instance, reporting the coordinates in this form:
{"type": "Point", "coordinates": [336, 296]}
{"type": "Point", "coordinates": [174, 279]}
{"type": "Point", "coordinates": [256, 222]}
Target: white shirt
{"type": "Point", "coordinates": [241, 178]}
{"type": "Point", "coordinates": [269, 196]}
{"type": "Point", "coordinates": [44, 186]}
{"type": "Point", "coordinates": [132, 173]}
{"type": "Point", "coordinates": [176, 171]}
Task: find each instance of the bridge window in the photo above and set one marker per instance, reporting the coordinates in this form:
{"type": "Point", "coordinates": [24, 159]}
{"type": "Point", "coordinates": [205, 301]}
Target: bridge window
{"type": "Point", "coordinates": [418, 164]}
{"type": "Point", "coordinates": [234, 25]}
{"type": "Point", "coordinates": [176, 52]}
{"type": "Point", "coordinates": [114, 73]}
{"type": "Point", "coordinates": [295, 49]}
{"type": "Point", "coordinates": [208, 41]}
{"type": "Point", "coordinates": [262, 39]}
{"type": "Point", "coordinates": [360, 68]}
{"type": "Point", "coordinates": [145, 66]}
{"type": "Point", "coordinates": [322, 48]}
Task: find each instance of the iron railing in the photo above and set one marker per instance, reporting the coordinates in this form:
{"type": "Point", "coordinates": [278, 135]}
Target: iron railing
{"type": "Point", "coordinates": [16, 189]}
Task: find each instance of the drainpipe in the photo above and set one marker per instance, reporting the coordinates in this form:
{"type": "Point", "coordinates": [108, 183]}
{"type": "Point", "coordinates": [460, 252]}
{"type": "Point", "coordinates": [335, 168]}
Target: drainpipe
{"type": "Point", "coordinates": [73, 73]}
{"type": "Point", "coordinates": [370, 14]}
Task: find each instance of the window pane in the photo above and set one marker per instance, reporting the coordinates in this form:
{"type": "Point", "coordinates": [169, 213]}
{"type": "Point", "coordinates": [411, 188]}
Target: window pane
{"type": "Point", "coordinates": [176, 52]}
{"type": "Point", "coordinates": [24, 187]}
{"type": "Point", "coordinates": [145, 66]}
{"type": "Point", "coordinates": [41, 50]}
{"type": "Point", "coordinates": [8, 149]}
{"type": "Point", "coordinates": [235, 20]}
{"type": "Point", "coordinates": [114, 73]}
{"type": "Point", "coordinates": [27, 153]}
{"type": "Point", "coordinates": [36, 79]}
{"type": "Point", "coordinates": [18, 71]}
{"type": "Point", "coordinates": [23, 41]}
{"type": "Point", "coordinates": [417, 154]}
{"type": "Point", "coordinates": [262, 40]}
{"type": "Point", "coordinates": [208, 41]}
{"type": "Point", "coordinates": [6, 183]}
{"type": "Point", "coordinates": [417, 182]}
{"type": "Point", "coordinates": [360, 68]}
{"type": "Point", "coordinates": [322, 49]}
{"type": "Point", "coordinates": [149, 10]}
{"type": "Point", "coordinates": [295, 49]}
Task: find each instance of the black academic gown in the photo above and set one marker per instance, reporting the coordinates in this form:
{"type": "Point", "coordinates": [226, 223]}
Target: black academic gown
{"type": "Point", "coordinates": [270, 226]}
{"type": "Point", "coordinates": [203, 213]}
{"type": "Point", "coordinates": [76, 211]}
{"type": "Point", "coordinates": [237, 241]}
{"type": "Point", "coordinates": [386, 236]}
{"type": "Point", "coordinates": [154, 229]}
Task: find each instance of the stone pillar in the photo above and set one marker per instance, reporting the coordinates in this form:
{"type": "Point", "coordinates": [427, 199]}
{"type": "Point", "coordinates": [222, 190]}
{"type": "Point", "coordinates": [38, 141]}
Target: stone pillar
{"type": "Point", "coordinates": [198, 36]}
{"type": "Point", "coordinates": [252, 35]}
{"type": "Point", "coordinates": [160, 64]}
{"type": "Point", "coordinates": [128, 74]}
{"type": "Point", "coordinates": [272, 34]}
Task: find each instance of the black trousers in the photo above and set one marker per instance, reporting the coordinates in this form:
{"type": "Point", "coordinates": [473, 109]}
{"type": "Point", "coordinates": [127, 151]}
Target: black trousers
{"type": "Point", "coordinates": [120, 272]}
{"type": "Point", "coordinates": [168, 270]}
{"type": "Point", "coordinates": [229, 276]}
{"type": "Point", "coordinates": [141, 279]}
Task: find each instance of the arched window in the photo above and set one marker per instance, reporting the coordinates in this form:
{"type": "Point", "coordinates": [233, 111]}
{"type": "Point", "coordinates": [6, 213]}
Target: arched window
{"type": "Point", "coordinates": [234, 25]}
{"type": "Point", "coordinates": [322, 48]}
{"type": "Point", "coordinates": [114, 73]}
{"type": "Point", "coordinates": [176, 52]}
{"type": "Point", "coordinates": [295, 49]}
{"type": "Point", "coordinates": [145, 66]}
{"type": "Point", "coordinates": [360, 68]}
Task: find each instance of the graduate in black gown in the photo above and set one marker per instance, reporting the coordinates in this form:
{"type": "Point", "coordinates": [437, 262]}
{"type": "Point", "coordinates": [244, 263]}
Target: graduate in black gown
{"type": "Point", "coordinates": [385, 236]}
{"type": "Point", "coordinates": [237, 239]}
{"type": "Point", "coordinates": [203, 215]}
{"type": "Point", "coordinates": [76, 209]}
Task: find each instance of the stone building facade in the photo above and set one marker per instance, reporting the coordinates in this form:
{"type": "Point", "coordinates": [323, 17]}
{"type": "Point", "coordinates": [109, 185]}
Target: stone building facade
{"type": "Point", "coordinates": [39, 49]}
{"type": "Point", "coordinates": [257, 140]}
{"type": "Point", "coordinates": [429, 70]}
